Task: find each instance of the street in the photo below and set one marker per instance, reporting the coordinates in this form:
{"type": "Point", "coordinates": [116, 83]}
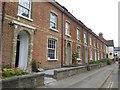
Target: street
{"type": "Point", "coordinates": [114, 79]}
{"type": "Point", "coordinates": [90, 79]}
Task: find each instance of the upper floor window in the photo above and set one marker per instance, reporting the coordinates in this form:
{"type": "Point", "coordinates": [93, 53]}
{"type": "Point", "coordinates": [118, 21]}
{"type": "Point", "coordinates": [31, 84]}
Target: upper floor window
{"type": "Point", "coordinates": [67, 27]}
{"type": "Point", "coordinates": [85, 41]}
{"type": "Point", "coordinates": [52, 49]}
{"type": "Point", "coordinates": [94, 42]}
{"type": "Point", "coordinates": [90, 40]}
{"type": "Point", "coordinates": [53, 21]}
{"type": "Point", "coordinates": [78, 34]}
{"type": "Point", "coordinates": [101, 46]}
{"type": "Point", "coordinates": [24, 8]}
{"type": "Point", "coordinates": [97, 45]}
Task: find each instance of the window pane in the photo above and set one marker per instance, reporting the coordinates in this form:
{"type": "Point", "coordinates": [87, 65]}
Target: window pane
{"type": "Point", "coordinates": [78, 34]}
{"type": "Point", "coordinates": [53, 20]}
{"type": "Point", "coordinates": [67, 28]}
{"type": "Point", "coordinates": [51, 48]}
{"type": "Point", "coordinates": [24, 8]}
{"type": "Point", "coordinates": [51, 54]}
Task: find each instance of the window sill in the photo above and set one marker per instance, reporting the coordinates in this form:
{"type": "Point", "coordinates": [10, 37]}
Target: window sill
{"type": "Point", "coordinates": [85, 42]}
{"type": "Point", "coordinates": [78, 59]}
{"type": "Point", "coordinates": [52, 59]}
{"type": "Point", "coordinates": [78, 40]}
{"type": "Point", "coordinates": [25, 17]}
{"type": "Point", "coordinates": [54, 29]}
{"type": "Point", "coordinates": [68, 35]}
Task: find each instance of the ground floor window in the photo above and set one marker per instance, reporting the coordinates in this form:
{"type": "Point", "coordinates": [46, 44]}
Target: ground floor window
{"type": "Point", "coordinates": [90, 54]}
{"type": "Point", "coordinates": [98, 56]}
{"type": "Point", "coordinates": [52, 50]}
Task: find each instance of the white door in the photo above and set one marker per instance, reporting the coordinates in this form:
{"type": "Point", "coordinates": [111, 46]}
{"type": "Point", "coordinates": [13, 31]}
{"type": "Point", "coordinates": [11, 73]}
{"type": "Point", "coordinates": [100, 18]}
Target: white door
{"type": "Point", "coordinates": [23, 52]}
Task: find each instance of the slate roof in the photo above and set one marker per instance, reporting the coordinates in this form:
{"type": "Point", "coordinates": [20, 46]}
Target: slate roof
{"type": "Point", "coordinates": [117, 49]}
{"type": "Point", "coordinates": [110, 43]}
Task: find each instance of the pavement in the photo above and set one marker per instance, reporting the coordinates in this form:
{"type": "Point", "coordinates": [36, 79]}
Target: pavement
{"type": "Point", "coordinates": [89, 79]}
{"type": "Point", "coordinates": [49, 75]}
{"type": "Point", "coordinates": [112, 81]}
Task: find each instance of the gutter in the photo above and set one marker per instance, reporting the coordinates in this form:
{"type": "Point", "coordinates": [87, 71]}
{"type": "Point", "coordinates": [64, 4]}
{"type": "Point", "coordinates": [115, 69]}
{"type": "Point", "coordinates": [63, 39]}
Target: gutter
{"type": "Point", "coordinates": [62, 40]}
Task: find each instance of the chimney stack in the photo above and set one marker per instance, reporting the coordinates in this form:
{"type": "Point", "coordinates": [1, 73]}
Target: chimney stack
{"type": "Point", "coordinates": [101, 35]}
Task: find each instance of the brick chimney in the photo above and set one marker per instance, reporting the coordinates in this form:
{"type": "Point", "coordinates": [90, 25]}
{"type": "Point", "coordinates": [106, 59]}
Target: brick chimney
{"type": "Point", "coordinates": [101, 35]}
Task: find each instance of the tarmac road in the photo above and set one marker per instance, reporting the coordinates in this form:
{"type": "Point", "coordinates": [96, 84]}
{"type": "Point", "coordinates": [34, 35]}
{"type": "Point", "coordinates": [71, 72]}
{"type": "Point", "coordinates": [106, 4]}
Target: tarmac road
{"type": "Point", "coordinates": [89, 79]}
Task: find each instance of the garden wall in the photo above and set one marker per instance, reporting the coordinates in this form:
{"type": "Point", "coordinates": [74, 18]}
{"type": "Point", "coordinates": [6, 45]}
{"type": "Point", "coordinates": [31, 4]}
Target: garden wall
{"type": "Point", "coordinates": [24, 81]}
{"type": "Point", "coordinates": [63, 73]}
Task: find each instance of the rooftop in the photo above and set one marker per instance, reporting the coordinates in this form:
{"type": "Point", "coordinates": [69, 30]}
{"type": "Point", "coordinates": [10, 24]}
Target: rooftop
{"type": "Point", "coordinates": [110, 43]}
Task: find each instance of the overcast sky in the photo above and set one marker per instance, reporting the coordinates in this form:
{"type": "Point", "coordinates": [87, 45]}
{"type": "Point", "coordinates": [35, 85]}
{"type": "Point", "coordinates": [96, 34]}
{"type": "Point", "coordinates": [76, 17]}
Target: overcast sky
{"type": "Point", "coordinates": [99, 15]}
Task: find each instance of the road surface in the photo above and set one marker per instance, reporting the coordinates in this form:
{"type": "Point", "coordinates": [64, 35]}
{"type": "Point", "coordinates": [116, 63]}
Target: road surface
{"type": "Point", "coordinates": [89, 79]}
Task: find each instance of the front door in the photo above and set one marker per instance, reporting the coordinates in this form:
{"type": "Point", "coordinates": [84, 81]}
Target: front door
{"type": "Point", "coordinates": [68, 54]}
{"type": "Point", "coordinates": [22, 50]}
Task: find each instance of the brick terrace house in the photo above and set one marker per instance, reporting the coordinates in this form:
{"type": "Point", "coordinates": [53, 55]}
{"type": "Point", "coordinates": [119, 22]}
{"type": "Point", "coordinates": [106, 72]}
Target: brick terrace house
{"type": "Point", "coordinates": [48, 33]}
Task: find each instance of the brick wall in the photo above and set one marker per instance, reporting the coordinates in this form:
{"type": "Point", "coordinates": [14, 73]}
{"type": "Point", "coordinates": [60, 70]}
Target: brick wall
{"type": "Point", "coordinates": [41, 20]}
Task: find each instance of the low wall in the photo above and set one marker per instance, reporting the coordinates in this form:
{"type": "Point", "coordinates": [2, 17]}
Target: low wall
{"type": "Point", "coordinates": [25, 81]}
{"type": "Point", "coordinates": [67, 72]}
{"type": "Point", "coordinates": [63, 73]}
{"type": "Point", "coordinates": [104, 64]}
{"type": "Point", "coordinates": [92, 66]}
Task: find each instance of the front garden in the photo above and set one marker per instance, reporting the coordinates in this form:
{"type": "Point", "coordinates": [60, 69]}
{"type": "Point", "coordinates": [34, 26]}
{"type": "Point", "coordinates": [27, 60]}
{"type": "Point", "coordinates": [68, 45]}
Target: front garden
{"type": "Point", "coordinates": [7, 71]}
{"type": "Point", "coordinates": [13, 77]}
{"type": "Point", "coordinates": [102, 61]}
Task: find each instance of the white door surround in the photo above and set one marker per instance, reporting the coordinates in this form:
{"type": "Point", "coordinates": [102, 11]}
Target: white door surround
{"type": "Point", "coordinates": [23, 50]}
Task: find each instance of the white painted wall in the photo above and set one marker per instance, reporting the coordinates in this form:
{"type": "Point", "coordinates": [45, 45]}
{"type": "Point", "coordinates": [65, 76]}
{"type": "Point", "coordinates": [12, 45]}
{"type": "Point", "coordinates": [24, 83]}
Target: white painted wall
{"type": "Point", "coordinates": [110, 50]}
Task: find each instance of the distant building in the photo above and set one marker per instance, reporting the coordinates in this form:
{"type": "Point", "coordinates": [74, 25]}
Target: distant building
{"type": "Point", "coordinates": [117, 52]}
{"type": "Point", "coordinates": [110, 49]}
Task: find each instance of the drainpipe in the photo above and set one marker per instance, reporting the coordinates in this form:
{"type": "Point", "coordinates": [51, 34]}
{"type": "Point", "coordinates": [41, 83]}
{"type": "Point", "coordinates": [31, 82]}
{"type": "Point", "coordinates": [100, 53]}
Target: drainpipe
{"type": "Point", "coordinates": [62, 45]}
{"type": "Point", "coordinates": [2, 27]}
{"type": "Point", "coordinates": [3, 15]}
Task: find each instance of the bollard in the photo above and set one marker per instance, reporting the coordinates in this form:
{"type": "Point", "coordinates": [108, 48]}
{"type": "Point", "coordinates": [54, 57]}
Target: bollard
{"type": "Point", "coordinates": [88, 67]}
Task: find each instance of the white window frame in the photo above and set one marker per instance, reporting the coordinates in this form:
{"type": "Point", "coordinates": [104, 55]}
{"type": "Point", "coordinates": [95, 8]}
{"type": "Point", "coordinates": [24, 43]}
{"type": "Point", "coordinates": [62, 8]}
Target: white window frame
{"type": "Point", "coordinates": [97, 44]}
{"type": "Point", "coordinates": [98, 55]}
{"type": "Point", "coordinates": [67, 29]}
{"type": "Point", "coordinates": [54, 22]}
{"type": "Point", "coordinates": [79, 53]}
{"type": "Point", "coordinates": [55, 49]}
{"type": "Point", "coordinates": [90, 40]}
{"type": "Point", "coordinates": [78, 34]}
{"type": "Point", "coordinates": [85, 40]}
{"type": "Point", "coordinates": [101, 45]}
{"type": "Point", "coordinates": [94, 42]}
{"type": "Point", "coordinates": [22, 5]}
{"type": "Point", "coordinates": [91, 54]}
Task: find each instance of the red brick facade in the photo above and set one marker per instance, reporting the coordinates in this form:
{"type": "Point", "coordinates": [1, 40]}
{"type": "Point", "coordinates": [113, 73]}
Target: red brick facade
{"type": "Point", "coordinates": [39, 32]}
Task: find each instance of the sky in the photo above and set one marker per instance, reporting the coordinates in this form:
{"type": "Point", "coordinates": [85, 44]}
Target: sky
{"type": "Point", "coordinates": [98, 15]}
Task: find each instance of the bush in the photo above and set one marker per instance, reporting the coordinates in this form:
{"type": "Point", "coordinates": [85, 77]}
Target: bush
{"type": "Point", "coordinates": [12, 72]}
{"type": "Point", "coordinates": [34, 66]}
{"type": "Point", "coordinates": [74, 58]}
{"type": "Point", "coordinates": [109, 61]}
